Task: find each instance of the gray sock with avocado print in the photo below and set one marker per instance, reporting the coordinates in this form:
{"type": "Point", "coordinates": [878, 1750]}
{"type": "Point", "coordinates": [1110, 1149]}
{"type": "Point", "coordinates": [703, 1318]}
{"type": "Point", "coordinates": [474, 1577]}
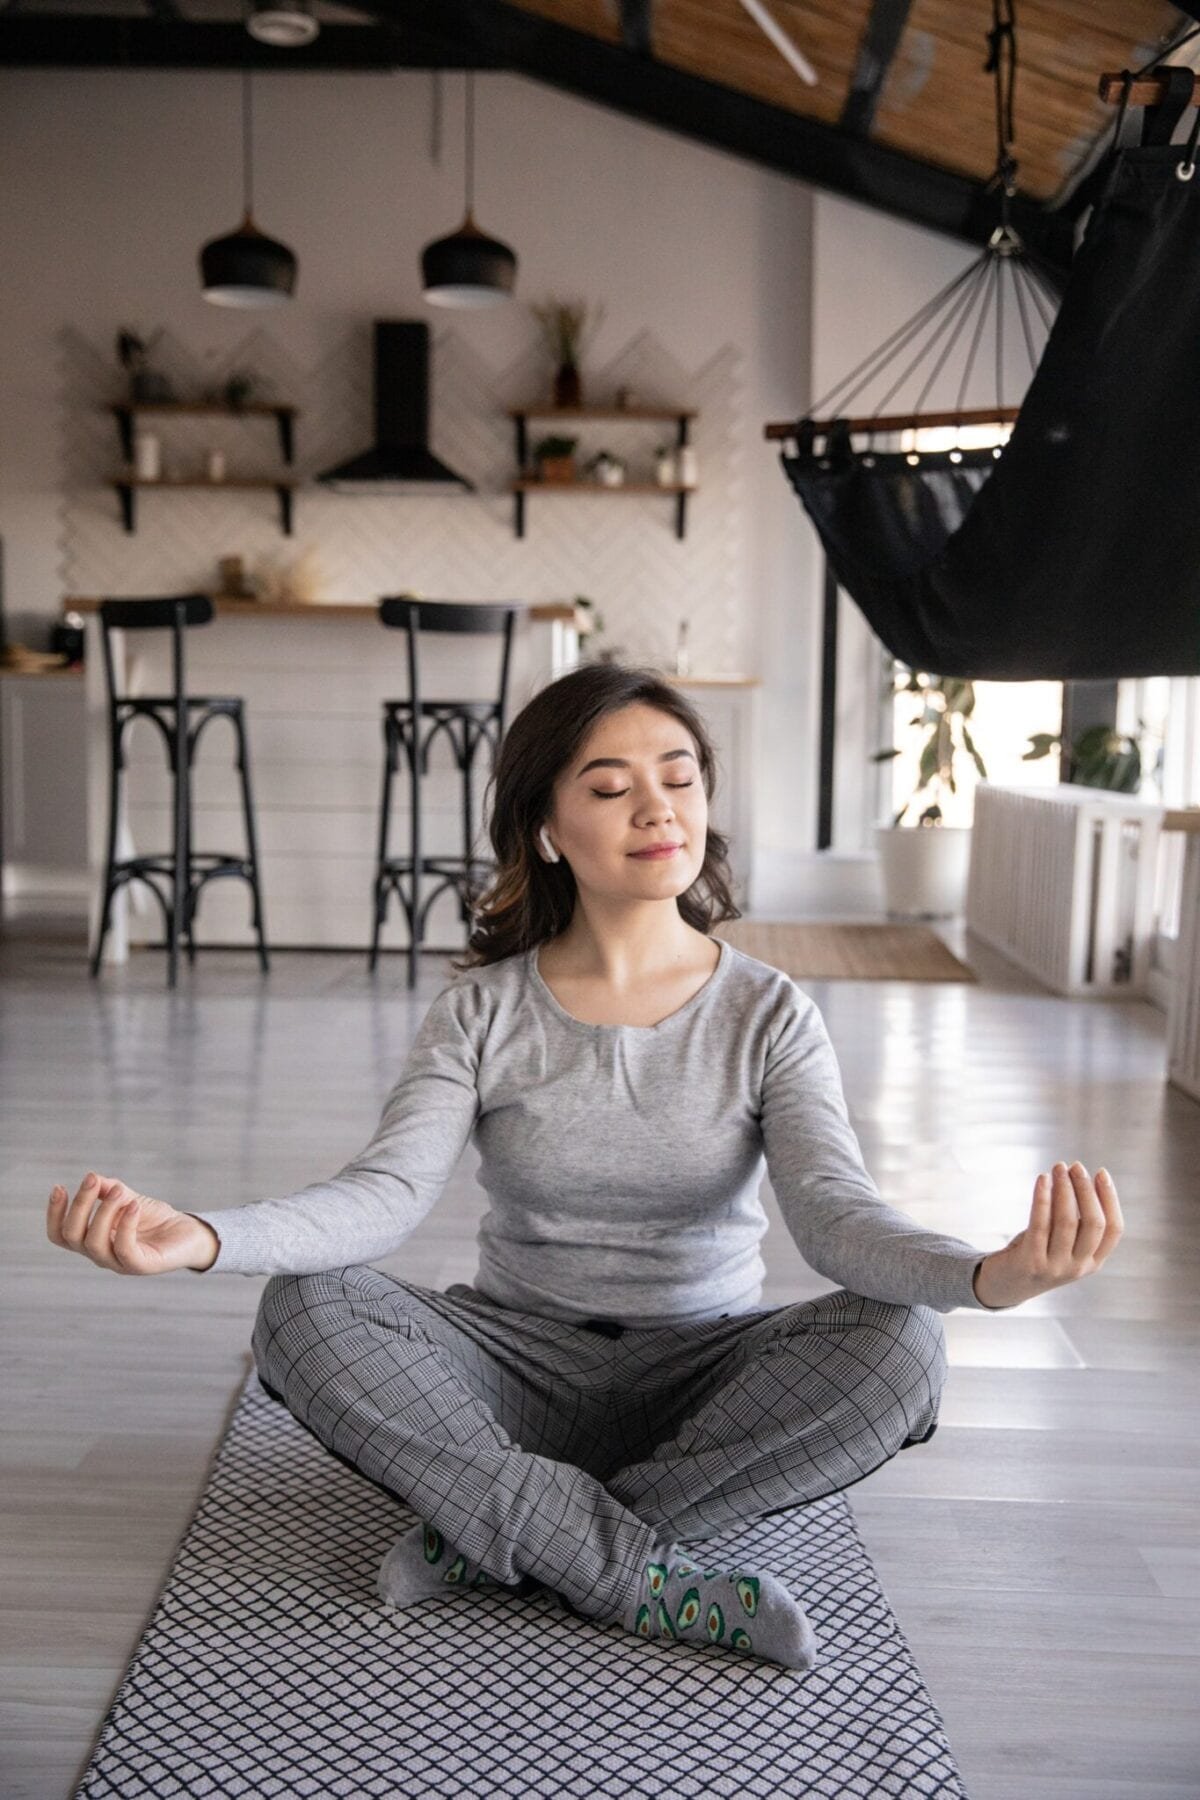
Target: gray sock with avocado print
{"type": "Point", "coordinates": [677, 1597]}
{"type": "Point", "coordinates": [421, 1563]}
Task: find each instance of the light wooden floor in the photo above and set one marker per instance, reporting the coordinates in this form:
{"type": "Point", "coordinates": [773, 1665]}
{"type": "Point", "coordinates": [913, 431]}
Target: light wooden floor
{"type": "Point", "coordinates": [1040, 1551]}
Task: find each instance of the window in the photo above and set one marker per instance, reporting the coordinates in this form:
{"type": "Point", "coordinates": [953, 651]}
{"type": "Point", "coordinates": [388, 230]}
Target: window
{"type": "Point", "coordinates": [1006, 715]}
{"type": "Point", "coordinates": [1167, 709]}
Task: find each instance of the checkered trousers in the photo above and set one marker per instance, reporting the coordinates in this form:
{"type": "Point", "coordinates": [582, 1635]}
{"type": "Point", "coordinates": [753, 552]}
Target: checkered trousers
{"type": "Point", "coordinates": [562, 1454]}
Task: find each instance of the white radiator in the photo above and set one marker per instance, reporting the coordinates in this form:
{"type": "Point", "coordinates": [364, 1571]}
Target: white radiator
{"type": "Point", "coordinates": [1061, 880]}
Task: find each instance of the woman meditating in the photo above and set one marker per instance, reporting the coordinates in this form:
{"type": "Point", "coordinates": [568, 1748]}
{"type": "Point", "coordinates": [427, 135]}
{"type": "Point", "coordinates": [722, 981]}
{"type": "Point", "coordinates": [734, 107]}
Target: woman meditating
{"type": "Point", "coordinates": [609, 1393]}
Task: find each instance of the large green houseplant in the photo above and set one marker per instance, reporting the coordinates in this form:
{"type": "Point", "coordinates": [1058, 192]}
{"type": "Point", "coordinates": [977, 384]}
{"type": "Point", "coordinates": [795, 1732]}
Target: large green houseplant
{"type": "Point", "coordinates": [1100, 757]}
{"type": "Point", "coordinates": [925, 870]}
{"type": "Point", "coordinates": [947, 702]}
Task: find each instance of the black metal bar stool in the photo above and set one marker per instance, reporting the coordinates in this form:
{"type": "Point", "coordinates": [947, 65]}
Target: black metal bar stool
{"type": "Point", "coordinates": [466, 723]}
{"type": "Point", "coordinates": [173, 714]}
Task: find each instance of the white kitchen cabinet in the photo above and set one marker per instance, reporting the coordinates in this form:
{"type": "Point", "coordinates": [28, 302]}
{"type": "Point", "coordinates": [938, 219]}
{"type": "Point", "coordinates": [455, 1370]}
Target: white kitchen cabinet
{"type": "Point", "coordinates": [313, 680]}
{"type": "Point", "coordinates": [43, 792]}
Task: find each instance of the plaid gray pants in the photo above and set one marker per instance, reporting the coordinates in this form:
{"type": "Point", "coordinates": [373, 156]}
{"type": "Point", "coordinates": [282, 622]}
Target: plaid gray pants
{"type": "Point", "coordinates": [560, 1455]}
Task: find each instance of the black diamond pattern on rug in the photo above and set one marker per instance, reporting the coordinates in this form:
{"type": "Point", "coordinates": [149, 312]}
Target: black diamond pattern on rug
{"type": "Point", "coordinates": [270, 1669]}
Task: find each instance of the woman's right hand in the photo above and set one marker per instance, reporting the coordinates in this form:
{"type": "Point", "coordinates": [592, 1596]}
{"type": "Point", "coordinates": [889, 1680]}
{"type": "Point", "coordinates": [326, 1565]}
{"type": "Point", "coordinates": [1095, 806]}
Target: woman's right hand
{"type": "Point", "coordinates": [128, 1232]}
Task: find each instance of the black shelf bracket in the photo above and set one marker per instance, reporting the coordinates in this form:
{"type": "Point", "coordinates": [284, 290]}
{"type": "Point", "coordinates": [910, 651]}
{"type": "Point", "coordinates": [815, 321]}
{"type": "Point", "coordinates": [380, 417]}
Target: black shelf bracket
{"type": "Point", "coordinates": [681, 500]}
{"type": "Point", "coordinates": [124, 418]}
{"type": "Point", "coordinates": [519, 497]}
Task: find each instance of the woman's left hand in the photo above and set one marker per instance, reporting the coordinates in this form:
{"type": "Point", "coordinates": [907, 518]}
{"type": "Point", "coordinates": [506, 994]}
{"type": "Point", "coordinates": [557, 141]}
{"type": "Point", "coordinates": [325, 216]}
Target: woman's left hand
{"type": "Point", "coordinates": [1074, 1225]}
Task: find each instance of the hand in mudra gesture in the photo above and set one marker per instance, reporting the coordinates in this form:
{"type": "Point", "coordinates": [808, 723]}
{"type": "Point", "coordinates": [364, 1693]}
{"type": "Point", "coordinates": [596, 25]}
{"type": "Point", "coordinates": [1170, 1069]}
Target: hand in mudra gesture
{"type": "Point", "coordinates": [127, 1232]}
{"type": "Point", "coordinates": [1074, 1225]}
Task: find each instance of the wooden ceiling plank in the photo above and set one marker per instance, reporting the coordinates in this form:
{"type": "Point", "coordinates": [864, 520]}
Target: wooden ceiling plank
{"type": "Point", "coordinates": [1065, 30]}
{"type": "Point", "coordinates": [720, 43]}
{"type": "Point", "coordinates": [715, 114]}
{"type": "Point", "coordinates": [1057, 115]}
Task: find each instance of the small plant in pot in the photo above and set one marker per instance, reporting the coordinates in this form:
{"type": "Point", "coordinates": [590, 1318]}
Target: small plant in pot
{"type": "Point", "coordinates": [589, 622]}
{"type": "Point", "coordinates": [567, 326]}
{"type": "Point", "coordinates": [925, 870]}
{"type": "Point", "coordinates": [555, 458]}
{"type": "Point", "coordinates": [146, 385]}
{"type": "Point", "coordinates": [240, 389]}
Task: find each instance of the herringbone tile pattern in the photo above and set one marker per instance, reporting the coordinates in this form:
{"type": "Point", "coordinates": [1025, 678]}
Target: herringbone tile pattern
{"type": "Point", "coordinates": [621, 552]}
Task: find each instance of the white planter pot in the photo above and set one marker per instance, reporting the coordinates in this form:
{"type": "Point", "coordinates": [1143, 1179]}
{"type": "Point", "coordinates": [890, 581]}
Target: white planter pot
{"type": "Point", "coordinates": [924, 869]}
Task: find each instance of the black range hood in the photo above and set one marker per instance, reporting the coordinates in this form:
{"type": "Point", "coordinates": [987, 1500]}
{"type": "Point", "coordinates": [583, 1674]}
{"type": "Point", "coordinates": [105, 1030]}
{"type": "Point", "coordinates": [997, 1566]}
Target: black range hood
{"type": "Point", "coordinates": [400, 460]}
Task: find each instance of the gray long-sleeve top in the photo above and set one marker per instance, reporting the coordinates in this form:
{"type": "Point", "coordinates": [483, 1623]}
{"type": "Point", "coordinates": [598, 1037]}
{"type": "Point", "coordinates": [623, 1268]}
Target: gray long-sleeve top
{"type": "Point", "coordinates": [622, 1163]}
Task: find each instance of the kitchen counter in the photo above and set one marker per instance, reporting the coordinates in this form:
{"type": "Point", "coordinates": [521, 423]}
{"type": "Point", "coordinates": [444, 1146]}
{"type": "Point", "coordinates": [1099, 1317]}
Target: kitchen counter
{"type": "Point", "coordinates": [313, 676]}
{"type": "Point", "coordinates": [549, 611]}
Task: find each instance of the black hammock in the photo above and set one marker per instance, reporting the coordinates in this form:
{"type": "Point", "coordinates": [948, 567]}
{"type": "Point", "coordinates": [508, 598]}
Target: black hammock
{"type": "Point", "coordinates": [1076, 554]}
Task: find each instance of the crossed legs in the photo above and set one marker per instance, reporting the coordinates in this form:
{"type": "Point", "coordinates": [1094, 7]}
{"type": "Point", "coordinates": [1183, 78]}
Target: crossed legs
{"type": "Point", "coordinates": [539, 1449]}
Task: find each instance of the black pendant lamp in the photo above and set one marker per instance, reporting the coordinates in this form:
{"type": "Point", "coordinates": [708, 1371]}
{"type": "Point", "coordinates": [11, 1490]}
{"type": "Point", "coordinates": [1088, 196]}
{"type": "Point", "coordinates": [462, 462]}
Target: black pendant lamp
{"type": "Point", "coordinates": [246, 268]}
{"type": "Point", "coordinates": [285, 24]}
{"type": "Point", "coordinates": [468, 268]}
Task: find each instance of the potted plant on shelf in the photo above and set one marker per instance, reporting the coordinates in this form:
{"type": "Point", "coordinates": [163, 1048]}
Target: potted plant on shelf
{"type": "Point", "coordinates": [146, 385]}
{"type": "Point", "coordinates": [589, 622]}
{"type": "Point", "coordinates": [566, 326]}
{"type": "Point", "coordinates": [925, 870]}
{"type": "Point", "coordinates": [240, 389]}
{"type": "Point", "coordinates": [555, 458]}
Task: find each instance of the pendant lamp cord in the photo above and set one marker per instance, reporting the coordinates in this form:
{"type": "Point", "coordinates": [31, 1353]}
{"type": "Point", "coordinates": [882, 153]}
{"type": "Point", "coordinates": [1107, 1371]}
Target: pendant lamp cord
{"type": "Point", "coordinates": [470, 141]}
{"type": "Point", "coordinates": [246, 153]}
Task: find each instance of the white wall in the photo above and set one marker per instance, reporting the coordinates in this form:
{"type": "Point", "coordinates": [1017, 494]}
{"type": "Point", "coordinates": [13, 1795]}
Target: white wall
{"type": "Point", "coordinates": [113, 180]}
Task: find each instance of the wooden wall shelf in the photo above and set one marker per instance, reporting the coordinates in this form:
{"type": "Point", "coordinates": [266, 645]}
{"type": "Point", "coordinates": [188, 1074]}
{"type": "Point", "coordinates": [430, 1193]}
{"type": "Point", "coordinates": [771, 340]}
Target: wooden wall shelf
{"type": "Point", "coordinates": [526, 484]}
{"type": "Point", "coordinates": [599, 412]}
{"type": "Point", "coordinates": [126, 484]}
{"type": "Point", "coordinates": [284, 416]}
{"type": "Point", "coordinates": [531, 485]}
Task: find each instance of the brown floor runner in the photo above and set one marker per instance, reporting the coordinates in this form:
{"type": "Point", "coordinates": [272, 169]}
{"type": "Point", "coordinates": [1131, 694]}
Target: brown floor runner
{"type": "Point", "coordinates": [829, 951]}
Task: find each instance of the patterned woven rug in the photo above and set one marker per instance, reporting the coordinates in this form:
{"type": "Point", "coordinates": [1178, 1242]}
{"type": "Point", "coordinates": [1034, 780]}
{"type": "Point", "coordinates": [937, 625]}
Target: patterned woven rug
{"type": "Point", "coordinates": [270, 1669]}
{"type": "Point", "coordinates": [829, 951]}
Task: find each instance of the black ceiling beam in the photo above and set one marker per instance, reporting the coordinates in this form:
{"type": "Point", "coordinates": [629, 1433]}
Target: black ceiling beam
{"type": "Point", "coordinates": [880, 41]}
{"type": "Point", "coordinates": [820, 154]}
{"type": "Point", "coordinates": [42, 40]}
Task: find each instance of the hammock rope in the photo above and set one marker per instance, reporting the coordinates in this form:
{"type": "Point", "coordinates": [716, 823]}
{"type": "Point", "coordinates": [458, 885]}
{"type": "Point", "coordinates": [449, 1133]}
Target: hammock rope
{"type": "Point", "coordinates": [1071, 550]}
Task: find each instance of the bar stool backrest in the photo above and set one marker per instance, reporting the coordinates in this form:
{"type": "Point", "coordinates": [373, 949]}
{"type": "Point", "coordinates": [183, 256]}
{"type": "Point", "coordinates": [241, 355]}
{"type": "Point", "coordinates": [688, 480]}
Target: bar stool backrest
{"type": "Point", "coordinates": [174, 613]}
{"type": "Point", "coordinates": [476, 616]}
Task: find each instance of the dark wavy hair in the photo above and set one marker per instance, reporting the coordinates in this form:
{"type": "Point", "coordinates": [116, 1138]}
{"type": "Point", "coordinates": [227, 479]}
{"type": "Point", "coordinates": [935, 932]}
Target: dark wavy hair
{"type": "Point", "coordinates": [529, 899]}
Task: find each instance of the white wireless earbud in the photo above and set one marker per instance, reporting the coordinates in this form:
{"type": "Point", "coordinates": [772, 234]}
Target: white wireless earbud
{"type": "Point", "coordinates": [551, 852]}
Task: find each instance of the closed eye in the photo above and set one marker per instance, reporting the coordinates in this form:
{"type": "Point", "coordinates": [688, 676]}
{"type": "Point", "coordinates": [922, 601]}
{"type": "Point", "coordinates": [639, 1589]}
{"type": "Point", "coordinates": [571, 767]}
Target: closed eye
{"type": "Point", "coordinates": [601, 795]}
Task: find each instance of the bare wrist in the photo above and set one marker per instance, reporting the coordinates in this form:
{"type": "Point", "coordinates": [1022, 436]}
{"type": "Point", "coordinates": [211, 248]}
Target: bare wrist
{"type": "Point", "coordinates": [975, 1283]}
{"type": "Point", "coordinates": [210, 1250]}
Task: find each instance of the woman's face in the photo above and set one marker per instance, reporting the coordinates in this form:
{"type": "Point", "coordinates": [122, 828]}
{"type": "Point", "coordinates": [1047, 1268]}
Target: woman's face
{"type": "Point", "coordinates": [647, 790]}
